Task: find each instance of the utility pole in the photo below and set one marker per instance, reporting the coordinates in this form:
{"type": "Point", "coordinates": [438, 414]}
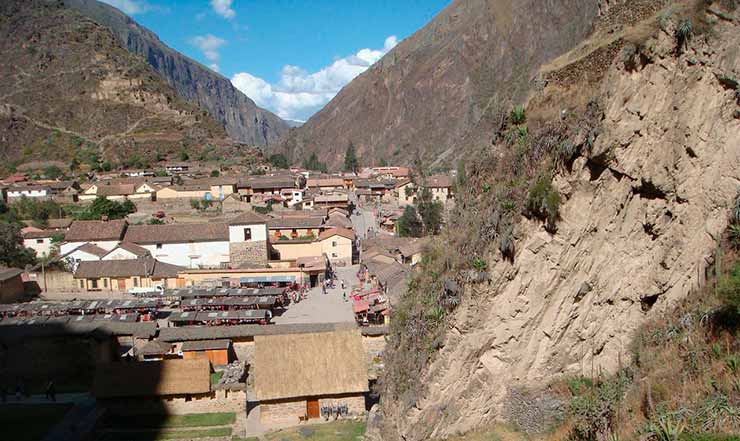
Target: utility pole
{"type": "Point", "coordinates": [43, 270]}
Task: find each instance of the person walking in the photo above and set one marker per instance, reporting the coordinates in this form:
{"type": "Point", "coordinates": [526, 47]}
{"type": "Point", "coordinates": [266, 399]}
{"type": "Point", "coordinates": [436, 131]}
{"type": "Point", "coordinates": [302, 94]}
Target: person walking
{"type": "Point", "coordinates": [51, 391]}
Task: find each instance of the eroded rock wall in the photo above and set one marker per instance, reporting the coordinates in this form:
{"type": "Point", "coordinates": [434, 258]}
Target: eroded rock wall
{"type": "Point", "coordinates": [641, 217]}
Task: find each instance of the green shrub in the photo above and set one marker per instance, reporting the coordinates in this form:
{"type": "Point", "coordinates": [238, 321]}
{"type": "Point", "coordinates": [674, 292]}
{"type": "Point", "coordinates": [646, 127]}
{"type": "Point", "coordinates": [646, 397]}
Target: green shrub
{"type": "Point", "coordinates": [683, 33]}
{"type": "Point", "coordinates": [543, 202]}
{"type": "Point", "coordinates": [518, 115]}
{"type": "Point", "coordinates": [728, 288]}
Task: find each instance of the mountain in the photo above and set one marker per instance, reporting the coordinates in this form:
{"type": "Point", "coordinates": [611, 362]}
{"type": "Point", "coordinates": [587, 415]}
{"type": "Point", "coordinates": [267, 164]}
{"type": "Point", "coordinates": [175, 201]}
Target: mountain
{"type": "Point", "coordinates": [71, 91]}
{"type": "Point", "coordinates": [244, 121]}
{"type": "Point", "coordinates": [444, 88]}
{"type": "Point", "coordinates": [573, 299]}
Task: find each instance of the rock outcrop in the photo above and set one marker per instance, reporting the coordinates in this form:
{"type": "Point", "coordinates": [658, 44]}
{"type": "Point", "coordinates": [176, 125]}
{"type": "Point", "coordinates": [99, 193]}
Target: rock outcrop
{"type": "Point", "coordinates": [641, 217]}
{"type": "Point", "coordinates": [243, 120]}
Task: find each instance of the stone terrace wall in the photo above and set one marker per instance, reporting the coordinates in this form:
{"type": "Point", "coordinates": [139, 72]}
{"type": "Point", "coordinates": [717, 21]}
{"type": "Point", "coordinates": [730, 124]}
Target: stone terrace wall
{"type": "Point", "coordinates": [243, 254]}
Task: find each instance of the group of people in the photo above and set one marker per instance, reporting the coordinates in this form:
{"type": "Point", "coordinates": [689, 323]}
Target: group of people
{"type": "Point", "coordinates": [329, 283]}
{"type": "Point", "coordinates": [22, 391]}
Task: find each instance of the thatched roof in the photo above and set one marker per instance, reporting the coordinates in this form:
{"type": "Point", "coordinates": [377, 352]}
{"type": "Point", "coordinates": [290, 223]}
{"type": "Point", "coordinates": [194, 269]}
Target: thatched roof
{"type": "Point", "coordinates": [192, 333]}
{"type": "Point", "coordinates": [303, 365]}
{"type": "Point", "coordinates": [148, 379]}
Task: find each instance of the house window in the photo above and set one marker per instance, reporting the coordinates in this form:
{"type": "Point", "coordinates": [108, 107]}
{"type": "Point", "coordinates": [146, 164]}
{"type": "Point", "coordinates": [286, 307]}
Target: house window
{"type": "Point", "coordinates": [334, 243]}
{"type": "Point", "coordinates": [333, 254]}
{"type": "Point", "coordinates": [247, 234]}
{"type": "Point", "coordinates": [159, 246]}
{"type": "Point", "coordinates": [105, 283]}
{"type": "Point", "coordinates": [136, 282]}
{"type": "Point", "coordinates": [39, 240]}
{"type": "Point", "coordinates": [94, 283]}
{"type": "Point", "coordinates": [82, 284]}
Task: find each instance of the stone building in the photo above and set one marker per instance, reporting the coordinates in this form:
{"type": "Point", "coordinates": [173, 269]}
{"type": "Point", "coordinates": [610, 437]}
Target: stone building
{"type": "Point", "coordinates": [11, 285]}
{"type": "Point", "coordinates": [295, 375]}
{"type": "Point", "coordinates": [248, 240]}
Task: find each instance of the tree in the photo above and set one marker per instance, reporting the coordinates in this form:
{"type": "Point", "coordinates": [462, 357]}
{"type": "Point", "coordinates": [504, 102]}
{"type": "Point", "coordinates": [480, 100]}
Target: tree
{"type": "Point", "coordinates": [351, 163]}
{"type": "Point", "coordinates": [215, 173]}
{"type": "Point", "coordinates": [184, 155]}
{"type": "Point", "coordinates": [12, 252]}
{"type": "Point", "coordinates": [382, 163]}
{"type": "Point", "coordinates": [53, 172]}
{"type": "Point", "coordinates": [102, 206]}
{"type": "Point", "coordinates": [430, 212]}
{"type": "Point", "coordinates": [313, 163]}
{"type": "Point", "coordinates": [278, 160]}
{"type": "Point", "coordinates": [409, 224]}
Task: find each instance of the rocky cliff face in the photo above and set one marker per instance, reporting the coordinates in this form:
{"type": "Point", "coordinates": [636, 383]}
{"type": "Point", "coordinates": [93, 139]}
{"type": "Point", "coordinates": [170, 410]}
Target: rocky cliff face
{"type": "Point", "coordinates": [641, 216]}
{"type": "Point", "coordinates": [70, 90]}
{"type": "Point", "coordinates": [243, 120]}
{"type": "Point", "coordinates": [443, 89]}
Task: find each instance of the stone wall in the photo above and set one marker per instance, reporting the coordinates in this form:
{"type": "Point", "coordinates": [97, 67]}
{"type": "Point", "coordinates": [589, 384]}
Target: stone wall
{"type": "Point", "coordinates": [12, 290]}
{"type": "Point", "coordinates": [246, 254]}
{"type": "Point", "coordinates": [288, 411]}
{"type": "Point", "coordinates": [216, 401]}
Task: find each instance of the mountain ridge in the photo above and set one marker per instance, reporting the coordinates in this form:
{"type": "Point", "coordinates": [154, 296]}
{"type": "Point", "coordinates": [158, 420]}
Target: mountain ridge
{"type": "Point", "coordinates": [243, 119]}
{"type": "Point", "coordinates": [73, 93]}
{"type": "Point", "coordinates": [445, 88]}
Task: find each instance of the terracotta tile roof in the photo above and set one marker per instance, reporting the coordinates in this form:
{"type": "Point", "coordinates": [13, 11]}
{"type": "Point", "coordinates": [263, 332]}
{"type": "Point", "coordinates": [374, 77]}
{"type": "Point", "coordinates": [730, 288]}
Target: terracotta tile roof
{"type": "Point", "coordinates": [177, 233]}
{"type": "Point", "coordinates": [326, 182]}
{"type": "Point", "coordinates": [133, 248]}
{"type": "Point", "coordinates": [344, 232]}
{"type": "Point", "coordinates": [296, 222]}
{"type": "Point", "coordinates": [144, 267]}
{"type": "Point", "coordinates": [338, 220]}
{"type": "Point", "coordinates": [248, 218]}
{"type": "Point", "coordinates": [59, 223]}
{"type": "Point", "coordinates": [116, 190]}
{"type": "Point", "coordinates": [438, 181]}
{"type": "Point", "coordinates": [9, 273]}
{"type": "Point", "coordinates": [156, 347]}
{"type": "Point", "coordinates": [206, 345]}
{"type": "Point", "coordinates": [90, 249]}
{"type": "Point", "coordinates": [90, 231]}
{"type": "Point", "coordinates": [266, 183]}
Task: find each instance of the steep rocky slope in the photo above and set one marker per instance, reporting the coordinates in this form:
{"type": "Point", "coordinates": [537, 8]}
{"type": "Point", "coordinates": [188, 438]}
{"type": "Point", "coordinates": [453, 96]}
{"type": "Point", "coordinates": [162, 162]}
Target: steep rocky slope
{"type": "Point", "coordinates": [442, 90]}
{"type": "Point", "coordinates": [244, 121]}
{"type": "Point", "coordinates": [642, 210]}
{"type": "Point", "coordinates": [69, 89]}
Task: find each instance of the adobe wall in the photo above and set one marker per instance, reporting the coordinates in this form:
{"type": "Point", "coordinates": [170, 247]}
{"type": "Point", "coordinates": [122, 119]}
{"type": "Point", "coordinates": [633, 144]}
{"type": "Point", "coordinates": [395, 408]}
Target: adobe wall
{"type": "Point", "coordinates": [284, 412]}
{"type": "Point", "coordinates": [216, 401]}
{"type": "Point", "coordinates": [244, 254]}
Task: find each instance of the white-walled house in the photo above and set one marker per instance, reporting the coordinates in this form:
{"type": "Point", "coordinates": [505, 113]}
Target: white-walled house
{"type": "Point", "coordinates": [103, 234]}
{"type": "Point", "coordinates": [38, 240]}
{"type": "Point", "coordinates": [86, 252]}
{"type": "Point", "coordinates": [248, 240]}
{"type": "Point", "coordinates": [337, 244]}
{"type": "Point", "coordinates": [126, 251]}
{"type": "Point", "coordinates": [29, 191]}
{"type": "Point", "coordinates": [188, 245]}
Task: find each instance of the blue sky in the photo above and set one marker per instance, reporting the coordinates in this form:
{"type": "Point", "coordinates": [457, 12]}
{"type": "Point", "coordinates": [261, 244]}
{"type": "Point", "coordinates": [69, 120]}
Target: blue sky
{"type": "Point", "coordinates": [290, 56]}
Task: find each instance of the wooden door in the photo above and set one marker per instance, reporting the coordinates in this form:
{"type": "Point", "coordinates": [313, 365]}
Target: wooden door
{"type": "Point", "coordinates": [312, 408]}
{"type": "Point", "coordinates": [121, 284]}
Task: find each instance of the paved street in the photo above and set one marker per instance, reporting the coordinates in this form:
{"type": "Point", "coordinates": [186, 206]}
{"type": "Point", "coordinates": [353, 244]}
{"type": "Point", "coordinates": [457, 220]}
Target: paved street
{"type": "Point", "coordinates": [323, 308]}
{"type": "Point", "coordinates": [364, 221]}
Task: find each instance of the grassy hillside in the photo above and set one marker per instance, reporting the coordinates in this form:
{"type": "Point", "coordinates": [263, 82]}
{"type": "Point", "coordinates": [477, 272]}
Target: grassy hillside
{"type": "Point", "coordinates": [70, 91]}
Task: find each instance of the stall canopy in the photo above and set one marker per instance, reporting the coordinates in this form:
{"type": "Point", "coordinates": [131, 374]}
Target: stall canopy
{"type": "Point", "coordinates": [268, 279]}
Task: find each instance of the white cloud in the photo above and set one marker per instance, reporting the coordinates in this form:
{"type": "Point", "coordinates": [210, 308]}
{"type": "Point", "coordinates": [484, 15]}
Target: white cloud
{"type": "Point", "coordinates": [209, 45]}
{"type": "Point", "coordinates": [299, 94]}
{"type": "Point", "coordinates": [129, 7]}
{"type": "Point", "coordinates": [223, 8]}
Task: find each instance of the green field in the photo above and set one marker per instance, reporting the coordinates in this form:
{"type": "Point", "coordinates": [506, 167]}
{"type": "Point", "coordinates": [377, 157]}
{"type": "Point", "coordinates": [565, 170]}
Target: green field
{"type": "Point", "coordinates": [337, 431]}
{"type": "Point", "coordinates": [30, 422]}
{"type": "Point", "coordinates": [170, 421]}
